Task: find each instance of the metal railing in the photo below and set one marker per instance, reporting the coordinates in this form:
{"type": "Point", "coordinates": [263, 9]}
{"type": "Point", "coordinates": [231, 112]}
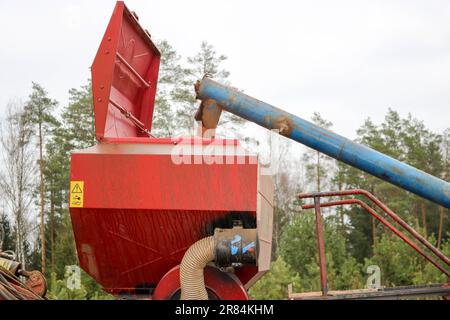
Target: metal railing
{"type": "Point", "coordinates": [320, 229]}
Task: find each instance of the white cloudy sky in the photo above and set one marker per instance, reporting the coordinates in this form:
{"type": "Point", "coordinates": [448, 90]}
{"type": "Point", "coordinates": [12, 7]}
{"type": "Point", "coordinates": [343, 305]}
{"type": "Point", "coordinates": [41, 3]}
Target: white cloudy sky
{"type": "Point", "coordinates": [349, 60]}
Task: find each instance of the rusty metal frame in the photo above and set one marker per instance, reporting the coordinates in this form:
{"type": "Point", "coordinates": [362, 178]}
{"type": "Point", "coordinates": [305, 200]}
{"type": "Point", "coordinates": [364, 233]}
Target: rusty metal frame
{"type": "Point", "coordinates": [320, 233]}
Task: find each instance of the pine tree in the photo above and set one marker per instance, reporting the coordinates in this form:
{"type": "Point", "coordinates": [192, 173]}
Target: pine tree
{"type": "Point", "coordinates": [339, 183]}
{"type": "Point", "coordinates": [6, 236]}
{"type": "Point", "coordinates": [421, 150]}
{"type": "Point", "coordinates": [318, 165]}
{"type": "Point", "coordinates": [57, 168]}
{"type": "Point", "coordinates": [207, 62]}
{"type": "Point", "coordinates": [76, 131]}
{"type": "Point", "coordinates": [78, 119]}
{"type": "Point", "coordinates": [274, 284]}
{"type": "Point", "coordinates": [39, 111]}
{"type": "Point", "coordinates": [171, 79]}
{"type": "Point", "coordinates": [445, 176]}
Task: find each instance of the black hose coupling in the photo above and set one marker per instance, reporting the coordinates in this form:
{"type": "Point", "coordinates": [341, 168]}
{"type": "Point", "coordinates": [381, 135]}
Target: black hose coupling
{"type": "Point", "coordinates": [235, 247]}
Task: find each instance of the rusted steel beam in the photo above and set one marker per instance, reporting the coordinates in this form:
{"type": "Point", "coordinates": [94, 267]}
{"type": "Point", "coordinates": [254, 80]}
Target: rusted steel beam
{"type": "Point", "coordinates": [327, 142]}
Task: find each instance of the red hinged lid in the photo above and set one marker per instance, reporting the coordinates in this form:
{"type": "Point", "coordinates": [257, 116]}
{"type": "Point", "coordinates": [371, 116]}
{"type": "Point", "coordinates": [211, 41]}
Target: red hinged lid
{"type": "Point", "coordinates": [124, 78]}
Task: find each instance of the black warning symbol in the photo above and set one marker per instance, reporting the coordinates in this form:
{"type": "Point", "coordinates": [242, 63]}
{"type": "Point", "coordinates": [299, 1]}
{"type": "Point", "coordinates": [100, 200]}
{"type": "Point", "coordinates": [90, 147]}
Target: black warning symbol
{"type": "Point", "coordinates": [77, 189]}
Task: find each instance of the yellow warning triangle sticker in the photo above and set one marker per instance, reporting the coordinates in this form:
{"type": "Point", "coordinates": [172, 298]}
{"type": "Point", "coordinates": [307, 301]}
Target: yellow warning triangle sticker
{"type": "Point", "coordinates": [76, 194]}
{"type": "Point", "coordinates": [77, 189]}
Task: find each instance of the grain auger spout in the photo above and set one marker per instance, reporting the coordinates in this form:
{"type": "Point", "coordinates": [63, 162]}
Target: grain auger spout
{"type": "Point", "coordinates": [217, 96]}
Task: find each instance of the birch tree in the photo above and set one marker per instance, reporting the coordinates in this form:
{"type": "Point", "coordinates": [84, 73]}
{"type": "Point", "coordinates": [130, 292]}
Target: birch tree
{"type": "Point", "coordinates": [18, 174]}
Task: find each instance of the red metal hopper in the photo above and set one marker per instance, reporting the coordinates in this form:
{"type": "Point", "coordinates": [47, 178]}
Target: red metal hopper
{"type": "Point", "coordinates": [136, 204]}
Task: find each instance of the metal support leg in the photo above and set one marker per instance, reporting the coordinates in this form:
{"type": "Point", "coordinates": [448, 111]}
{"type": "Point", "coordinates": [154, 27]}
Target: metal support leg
{"type": "Point", "coordinates": [321, 247]}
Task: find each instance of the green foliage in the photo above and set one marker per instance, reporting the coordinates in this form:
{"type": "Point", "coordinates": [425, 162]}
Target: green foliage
{"type": "Point", "coordinates": [172, 88]}
{"type": "Point", "coordinates": [299, 249]}
{"type": "Point", "coordinates": [6, 236]}
{"type": "Point", "coordinates": [297, 237]}
{"type": "Point", "coordinates": [39, 110]}
{"type": "Point", "coordinates": [350, 275]}
{"type": "Point", "coordinates": [176, 104]}
{"type": "Point", "coordinates": [64, 249]}
{"type": "Point", "coordinates": [397, 261]}
{"type": "Point", "coordinates": [360, 233]}
{"type": "Point", "coordinates": [78, 129]}
{"type": "Point", "coordinates": [274, 284]}
{"type": "Point", "coordinates": [88, 289]}
{"type": "Point", "coordinates": [58, 290]}
{"type": "Point", "coordinates": [400, 265]}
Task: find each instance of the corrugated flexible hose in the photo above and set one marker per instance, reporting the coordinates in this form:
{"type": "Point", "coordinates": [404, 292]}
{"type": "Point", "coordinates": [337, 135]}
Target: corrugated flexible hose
{"type": "Point", "coordinates": [191, 270]}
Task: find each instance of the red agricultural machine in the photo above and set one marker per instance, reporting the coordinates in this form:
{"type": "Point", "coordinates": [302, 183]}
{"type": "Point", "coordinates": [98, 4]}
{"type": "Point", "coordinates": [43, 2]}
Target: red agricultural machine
{"type": "Point", "coordinates": [191, 218]}
{"type": "Point", "coordinates": [138, 203]}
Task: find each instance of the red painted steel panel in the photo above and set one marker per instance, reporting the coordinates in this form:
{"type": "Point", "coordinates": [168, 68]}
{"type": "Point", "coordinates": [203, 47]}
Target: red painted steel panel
{"type": "Point", "coordinates": [125, 71]}
{"type": "Point", "coordinates": [134, 181]}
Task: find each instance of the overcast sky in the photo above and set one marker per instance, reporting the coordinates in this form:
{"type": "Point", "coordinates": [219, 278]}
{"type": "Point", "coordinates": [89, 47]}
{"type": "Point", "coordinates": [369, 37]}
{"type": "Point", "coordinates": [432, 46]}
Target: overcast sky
{"type": "Point", "coordinates": [348, 60]}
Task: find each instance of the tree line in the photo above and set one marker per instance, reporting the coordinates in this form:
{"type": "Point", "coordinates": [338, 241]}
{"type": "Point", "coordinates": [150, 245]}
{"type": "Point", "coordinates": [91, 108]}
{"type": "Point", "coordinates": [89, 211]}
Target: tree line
{"type": "Point", "coordinates": [38, 135]}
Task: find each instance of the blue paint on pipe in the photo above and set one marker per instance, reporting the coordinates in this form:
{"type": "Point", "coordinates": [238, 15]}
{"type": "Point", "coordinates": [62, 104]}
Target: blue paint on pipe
{"type": "Point", "coordinates": [327, 142]}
